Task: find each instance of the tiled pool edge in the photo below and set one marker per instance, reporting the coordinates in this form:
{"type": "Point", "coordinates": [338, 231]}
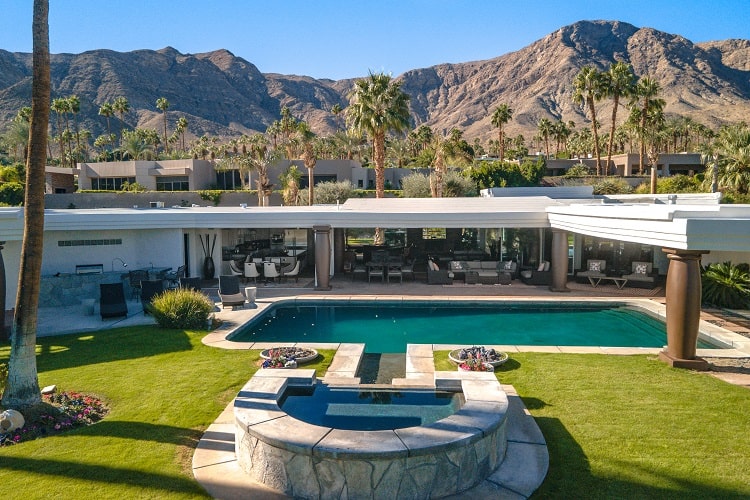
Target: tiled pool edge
{"type": "Point", "coordinates": [735, 345]}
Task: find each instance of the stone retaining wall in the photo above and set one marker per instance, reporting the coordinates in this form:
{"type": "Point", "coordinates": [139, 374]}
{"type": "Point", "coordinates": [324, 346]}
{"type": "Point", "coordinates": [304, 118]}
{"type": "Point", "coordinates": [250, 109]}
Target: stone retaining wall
{"type": "Point", "coordinates": [310, 461]}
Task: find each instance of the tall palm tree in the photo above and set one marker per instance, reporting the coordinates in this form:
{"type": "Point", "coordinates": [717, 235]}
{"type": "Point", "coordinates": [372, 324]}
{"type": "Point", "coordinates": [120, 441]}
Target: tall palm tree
{"type": "Point", "coordinates": [308, 157]}
{"type": "Point", "coordinates": [647, 105]}
{"type": "Point", "coordinates": [22, 386]}
{"type": "Point", "coordinates": [500, 117]}
{"type": "Point", "coordinates": [106, 110]}
{"type": "Point", "coordinates": [121, 106]}
{"type": "Point", "coordinates": [588, 88]}
{"type": "Point", "coordinates": [163, 104]}
{"type": "Point", "coordinates": [619, 82]}
{"type": "Point", "coordinates": [545, 129]}
{"type": "Point", "coordinates": [182, 125]}
{"type": "Point", "coordinates": [74, 105]}
{"type": "Point", "coordinates": [732, 165]}
{"type": "Point", "coordinates": [377, 106]}
{"type": "Point", "coordinates": [60, 106]}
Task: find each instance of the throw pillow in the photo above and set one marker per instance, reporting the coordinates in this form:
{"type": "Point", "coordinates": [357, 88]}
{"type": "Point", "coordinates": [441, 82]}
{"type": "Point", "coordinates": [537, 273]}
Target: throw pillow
{"type": "Point", "coordinates": [595, 266]}
{"type": "Point", "coordinates": [509, 265]}
{"type": "Point", "coordinates": [431, 265]}
{"type": "Point", "coordinates": [541, 267]}
{"type": "Point", "coordinates": [546, 265]}
{"type": "Point", "coordinates": [526, 274]}
{"type": "Point", "coordinates": [641, 269]}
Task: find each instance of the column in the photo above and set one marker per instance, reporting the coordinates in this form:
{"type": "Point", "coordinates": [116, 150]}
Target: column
{"type": "Point", "coordinates": [559, 261]}
{"type": "Point", "coordinates": [322, 257]}
{"type": "Point", "coordinates": [339, 245]}
{"type": "Point", "coordinates": [3, 333]}
{"type": "Point", "coordinates": [683, 309]}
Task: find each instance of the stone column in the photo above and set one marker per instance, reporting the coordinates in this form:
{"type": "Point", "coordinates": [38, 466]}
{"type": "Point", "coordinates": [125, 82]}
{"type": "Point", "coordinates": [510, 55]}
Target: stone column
{"type": "Point", "coordinates": [683, 309]}
{"type": "Point", "coordinates": [3, 333]}
{"type": "Point", "coordinates": [322, 257]}
{"type": "Point", "coordinates": [339, 245]}
{"type": "Point", "coordinates": [559, 261]}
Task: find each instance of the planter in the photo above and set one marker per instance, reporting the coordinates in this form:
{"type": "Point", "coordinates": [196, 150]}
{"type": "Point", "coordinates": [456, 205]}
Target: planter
{"type": "Point", "coordinates": [209, 270]}
{"type": "Point", "coordinates": [485, 367]}
{"type": "Point", "coordinates": [495, 358]}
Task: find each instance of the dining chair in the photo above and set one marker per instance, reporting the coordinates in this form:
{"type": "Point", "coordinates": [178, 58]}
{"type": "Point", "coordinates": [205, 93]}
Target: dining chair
{"type": "Point", "coordinates": [251, 271]}
{"type": "Point", "coordinates": [270, 271]}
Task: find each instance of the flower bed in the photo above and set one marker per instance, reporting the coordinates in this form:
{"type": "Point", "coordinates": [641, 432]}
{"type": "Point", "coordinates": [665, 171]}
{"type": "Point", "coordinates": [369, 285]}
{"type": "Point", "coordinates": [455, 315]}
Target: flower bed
{"type": "Point", "coordinates": [474, 365]}
{"type": "Point", "coordinates": [67, 410]}
{"type": "Point", "coordinates": [479, 353]}
{"type": "Point", "coordinates": [287, 357]}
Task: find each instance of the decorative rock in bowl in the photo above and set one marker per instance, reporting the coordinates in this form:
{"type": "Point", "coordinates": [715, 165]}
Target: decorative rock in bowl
{"type": "Point", "coordinates": [287, 357]}
{"type": "Point", "coordinates": [491, 356]}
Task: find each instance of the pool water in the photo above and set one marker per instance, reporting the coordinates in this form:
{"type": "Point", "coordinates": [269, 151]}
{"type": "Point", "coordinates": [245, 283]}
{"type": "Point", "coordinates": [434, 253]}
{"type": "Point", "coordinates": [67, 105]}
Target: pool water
{"type": "Point", "coordinates": [369, 410]}
{"type": "Point", "coordinates": [386, 327]}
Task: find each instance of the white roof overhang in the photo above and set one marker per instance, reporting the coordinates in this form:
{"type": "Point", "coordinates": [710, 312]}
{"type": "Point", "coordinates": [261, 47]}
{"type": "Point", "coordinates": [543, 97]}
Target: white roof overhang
{"type": "Point", "coordinates": [685, 227]}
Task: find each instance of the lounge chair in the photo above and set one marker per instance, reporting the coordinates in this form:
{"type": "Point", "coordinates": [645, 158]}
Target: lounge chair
{"type": "Point", "coordinates": [595, 268]}
{"type": "Point", "coordinates": [229, 291]}
{"type": "Point", "coordinates": [643, 275]}
{"type": "Point", "coordinates": [149, 290]}
{"type": "Point", "coordinates": [112, 300]}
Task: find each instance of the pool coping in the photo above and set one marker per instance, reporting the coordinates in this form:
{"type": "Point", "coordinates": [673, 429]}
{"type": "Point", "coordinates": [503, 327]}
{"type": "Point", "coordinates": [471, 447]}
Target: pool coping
{"type": "Point", "coordinates": [732, 344]}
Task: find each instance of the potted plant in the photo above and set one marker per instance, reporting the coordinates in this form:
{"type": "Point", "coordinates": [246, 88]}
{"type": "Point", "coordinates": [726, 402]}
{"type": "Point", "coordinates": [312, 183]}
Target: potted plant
{"type": "Point", "coordinates": [475, 365]}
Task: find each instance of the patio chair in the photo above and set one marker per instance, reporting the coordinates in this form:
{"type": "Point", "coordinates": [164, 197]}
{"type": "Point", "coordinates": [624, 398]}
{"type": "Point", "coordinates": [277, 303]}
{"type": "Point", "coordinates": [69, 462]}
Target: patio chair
{"type": "Point", "coordinates": [112, 300]}
{"type": "Point", "coordinates": [229, 291]}
{"type": "Point", "coordinates": [149, 290]}
{"type": "Point", "coordinates": [291, 270]}
{"type": "Point", "coordinates": [376, 271]}
{"type": "Point", "coordinates": [394, 271]}
{"type": "Point", "coordinates": [135, 278]}
{"type": "Point", "coordinates": [269, 271]}
{"type": "Point", "coordinates": [191, 283]}
{"type": "Point", "coordinates": [235, 269]}
{"type": "Point", "coordinates": [251, 271]}
{"type": "Point", "coordinates": [173, 277]}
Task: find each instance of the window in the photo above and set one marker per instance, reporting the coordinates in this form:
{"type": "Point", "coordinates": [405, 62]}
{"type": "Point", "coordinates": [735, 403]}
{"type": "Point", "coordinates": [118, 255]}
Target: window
{"type": "Point", "coordinates": [173, 183]}
{"type": "Point", "coordinates": [317, 179]}
{"type": "Point", "coordinates": [433, 233]}
{"type": "Point", "coordinates": [228, 180]}
{"type": "Point", "coordinates": [110, 183]}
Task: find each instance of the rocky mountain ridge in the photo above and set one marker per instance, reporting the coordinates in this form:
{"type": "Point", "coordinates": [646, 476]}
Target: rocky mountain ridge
{"type": "Point", "coordinates": [221, 94]}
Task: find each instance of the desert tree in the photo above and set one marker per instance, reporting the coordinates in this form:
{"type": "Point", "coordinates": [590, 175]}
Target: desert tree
{"type": "Point", "coordinates": [163, 105]}
{"type": "Point", "coordinates": [588, 88]}
{"type": "Point", "coordinates": [500, 117]}
{"type": "Point", "coordinates": [619, 82]}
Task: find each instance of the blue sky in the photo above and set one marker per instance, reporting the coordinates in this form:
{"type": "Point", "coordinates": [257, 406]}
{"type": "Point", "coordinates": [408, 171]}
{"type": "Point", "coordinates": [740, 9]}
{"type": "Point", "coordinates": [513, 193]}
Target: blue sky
{"type": "Point", "coordinates": [345, 39]}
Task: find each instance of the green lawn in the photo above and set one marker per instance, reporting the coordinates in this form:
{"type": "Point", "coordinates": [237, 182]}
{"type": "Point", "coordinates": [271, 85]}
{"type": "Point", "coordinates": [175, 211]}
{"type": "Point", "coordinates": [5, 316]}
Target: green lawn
{"type": "Point", "coordinates": [631, 427]}
{"type": "Point", "coordinates": [617, 427]}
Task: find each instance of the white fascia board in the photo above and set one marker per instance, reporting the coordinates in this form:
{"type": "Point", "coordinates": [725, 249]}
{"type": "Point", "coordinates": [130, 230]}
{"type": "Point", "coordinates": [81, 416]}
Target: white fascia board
{"type": "Point", "coordinates": [660, 233]}
{"type": "Point", "coordinates": [719, 234]}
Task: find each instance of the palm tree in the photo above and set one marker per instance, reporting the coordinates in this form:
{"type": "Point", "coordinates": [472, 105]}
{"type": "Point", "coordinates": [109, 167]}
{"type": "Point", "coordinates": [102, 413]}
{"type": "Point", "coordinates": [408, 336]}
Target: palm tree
{"type": "Point", "coordinates": [163, 104]}
{"type": "Point", "coordinates": [261, 157]}
{"type": "Point", "coordinates": [545, 129]}
{"type": "Point", "coordinates": [121, 106]}
{"type": "Point", "coordinates": [135, 144]}
{"type": "Point", "coordinates": [645, 101]}
{"type": "Point", "coordinates": [75, 107]}
{"type": "Point", "coordinates": [619, 82]}
{"type": "Point", "coordinates": [437, 180]}
{"type": "Point", "coordinates": [732, 152]}
{"type": "Point", "coordinates": [182, 125]}
{"type": "Point", "coordinates": [589, 88]}
{"type": "Point", "coordinates": [22, 386]}
{"type": "Point", "coordinates": [560, 131]}
{"type": "Point", "coordinates": [377, 106]}
{"type": "Point", "coordinates": [290, 185]}
{"type": "Point", "coordinates": [60, 107]}
{"type": "Point", "coordinates": [500, 117]}
{"type": "Point", "coordinates": [106, 110]}
{"type": "Point", "coordinates": [308, 157]}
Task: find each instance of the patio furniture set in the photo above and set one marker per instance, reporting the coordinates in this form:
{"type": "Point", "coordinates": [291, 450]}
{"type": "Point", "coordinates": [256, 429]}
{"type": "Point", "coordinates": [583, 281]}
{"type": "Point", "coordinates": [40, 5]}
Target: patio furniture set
{"type": "Point", "coordinates": [271, 268]}
{"type": "Point", "coordinates": [642, 274]}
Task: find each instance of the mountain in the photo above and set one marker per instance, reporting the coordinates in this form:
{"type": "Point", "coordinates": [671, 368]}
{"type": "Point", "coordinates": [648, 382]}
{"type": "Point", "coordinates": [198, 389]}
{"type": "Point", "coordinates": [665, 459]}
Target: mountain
{"type": "Point", "coordinates": [221, 94]}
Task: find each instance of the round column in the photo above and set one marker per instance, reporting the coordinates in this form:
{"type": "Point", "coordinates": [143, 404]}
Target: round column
{"type": "Point", "coordinates": [339, 245]}
{"type": "Point", "coordinates": [322, 257]}
{"type": "Point", "coordinates": [683, 296]}
{"type": "Point", "coordinates": [559, 261]}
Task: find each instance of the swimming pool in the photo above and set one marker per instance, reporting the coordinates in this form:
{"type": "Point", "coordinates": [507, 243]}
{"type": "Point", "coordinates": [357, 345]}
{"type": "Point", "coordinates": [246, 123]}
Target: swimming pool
{"type": "Point", "coordinates": [386, 327]}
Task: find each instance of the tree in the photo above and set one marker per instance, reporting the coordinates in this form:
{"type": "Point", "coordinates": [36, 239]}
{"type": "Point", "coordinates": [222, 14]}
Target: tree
{"type": "Point", "coordinates": [647, 106]}
{"type": "Point", "coordinates": [619, 82]}
{"type": "Point", "coordinates": [732, 158]}
{"type": "Point", "coordinates": [377, 106]}
{"type": "Point", "coordinates": [500, 117]}
{"type": "Point", "coordinates": [261, 157]}
{"type": "Point", "coordinates": [308, 157]}
{"type": "Point", "coordinates": [182, 125]}
{"type": "Point", "coordinates": [121, 106]}
{"type": "Point", "coordinates": [60, 106]}
{"type": "Point", "coordinates": [22, 386]}
{"type": "Point", "coordinates": [163, 104]}
{"type": "Point", "coordinates": [290, 185]}
{"type": "Point", "coordinates": [74, 105]}
{"type": "Point", "coordinates": [135, 144]}
{"type": "Point", "coordinates": [545, 129]}
{"type": "Point", "coordinates": [589, 88]}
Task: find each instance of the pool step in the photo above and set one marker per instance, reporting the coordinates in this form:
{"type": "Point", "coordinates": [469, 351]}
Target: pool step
{"type": "Point", "coordinates": [376, 368]}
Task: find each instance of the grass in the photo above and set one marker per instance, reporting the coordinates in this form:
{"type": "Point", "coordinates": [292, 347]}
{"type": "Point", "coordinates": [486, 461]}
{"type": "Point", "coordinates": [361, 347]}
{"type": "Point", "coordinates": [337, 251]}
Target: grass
{"type": "Point", "coordinates": [631, 427]}
{"type": "Point", "coordinates": [616, 426]}
{"type": "Point", "coordinates": [163, 388]}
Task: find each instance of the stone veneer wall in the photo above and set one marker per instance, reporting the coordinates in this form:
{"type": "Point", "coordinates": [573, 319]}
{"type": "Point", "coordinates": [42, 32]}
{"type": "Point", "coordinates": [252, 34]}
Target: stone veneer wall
{"type": "Point", "coordinates": [309, 461]}
{"type": "Point", "coordinates": [71, 289]}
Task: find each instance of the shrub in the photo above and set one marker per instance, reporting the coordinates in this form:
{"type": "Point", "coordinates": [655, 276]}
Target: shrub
{"type": "Point", "coordinates": [415, 185]}
{"type": "Point", "coordinates": [11, 193]}
{"type": "Point", "coordinates": [612, 186]}
{"type": "Point", "coordinates": [213, 195]}
{"type": "Point", "coordinates": [182, 308]}
{"type": "Point", "coordinates": [726, 285]}
{"type": "Point", "coordinates": [579, 170]}
{"type": "Point", "coordinates": [328, 193]}
{"type": "Point", "coordinates": [456, 185]}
